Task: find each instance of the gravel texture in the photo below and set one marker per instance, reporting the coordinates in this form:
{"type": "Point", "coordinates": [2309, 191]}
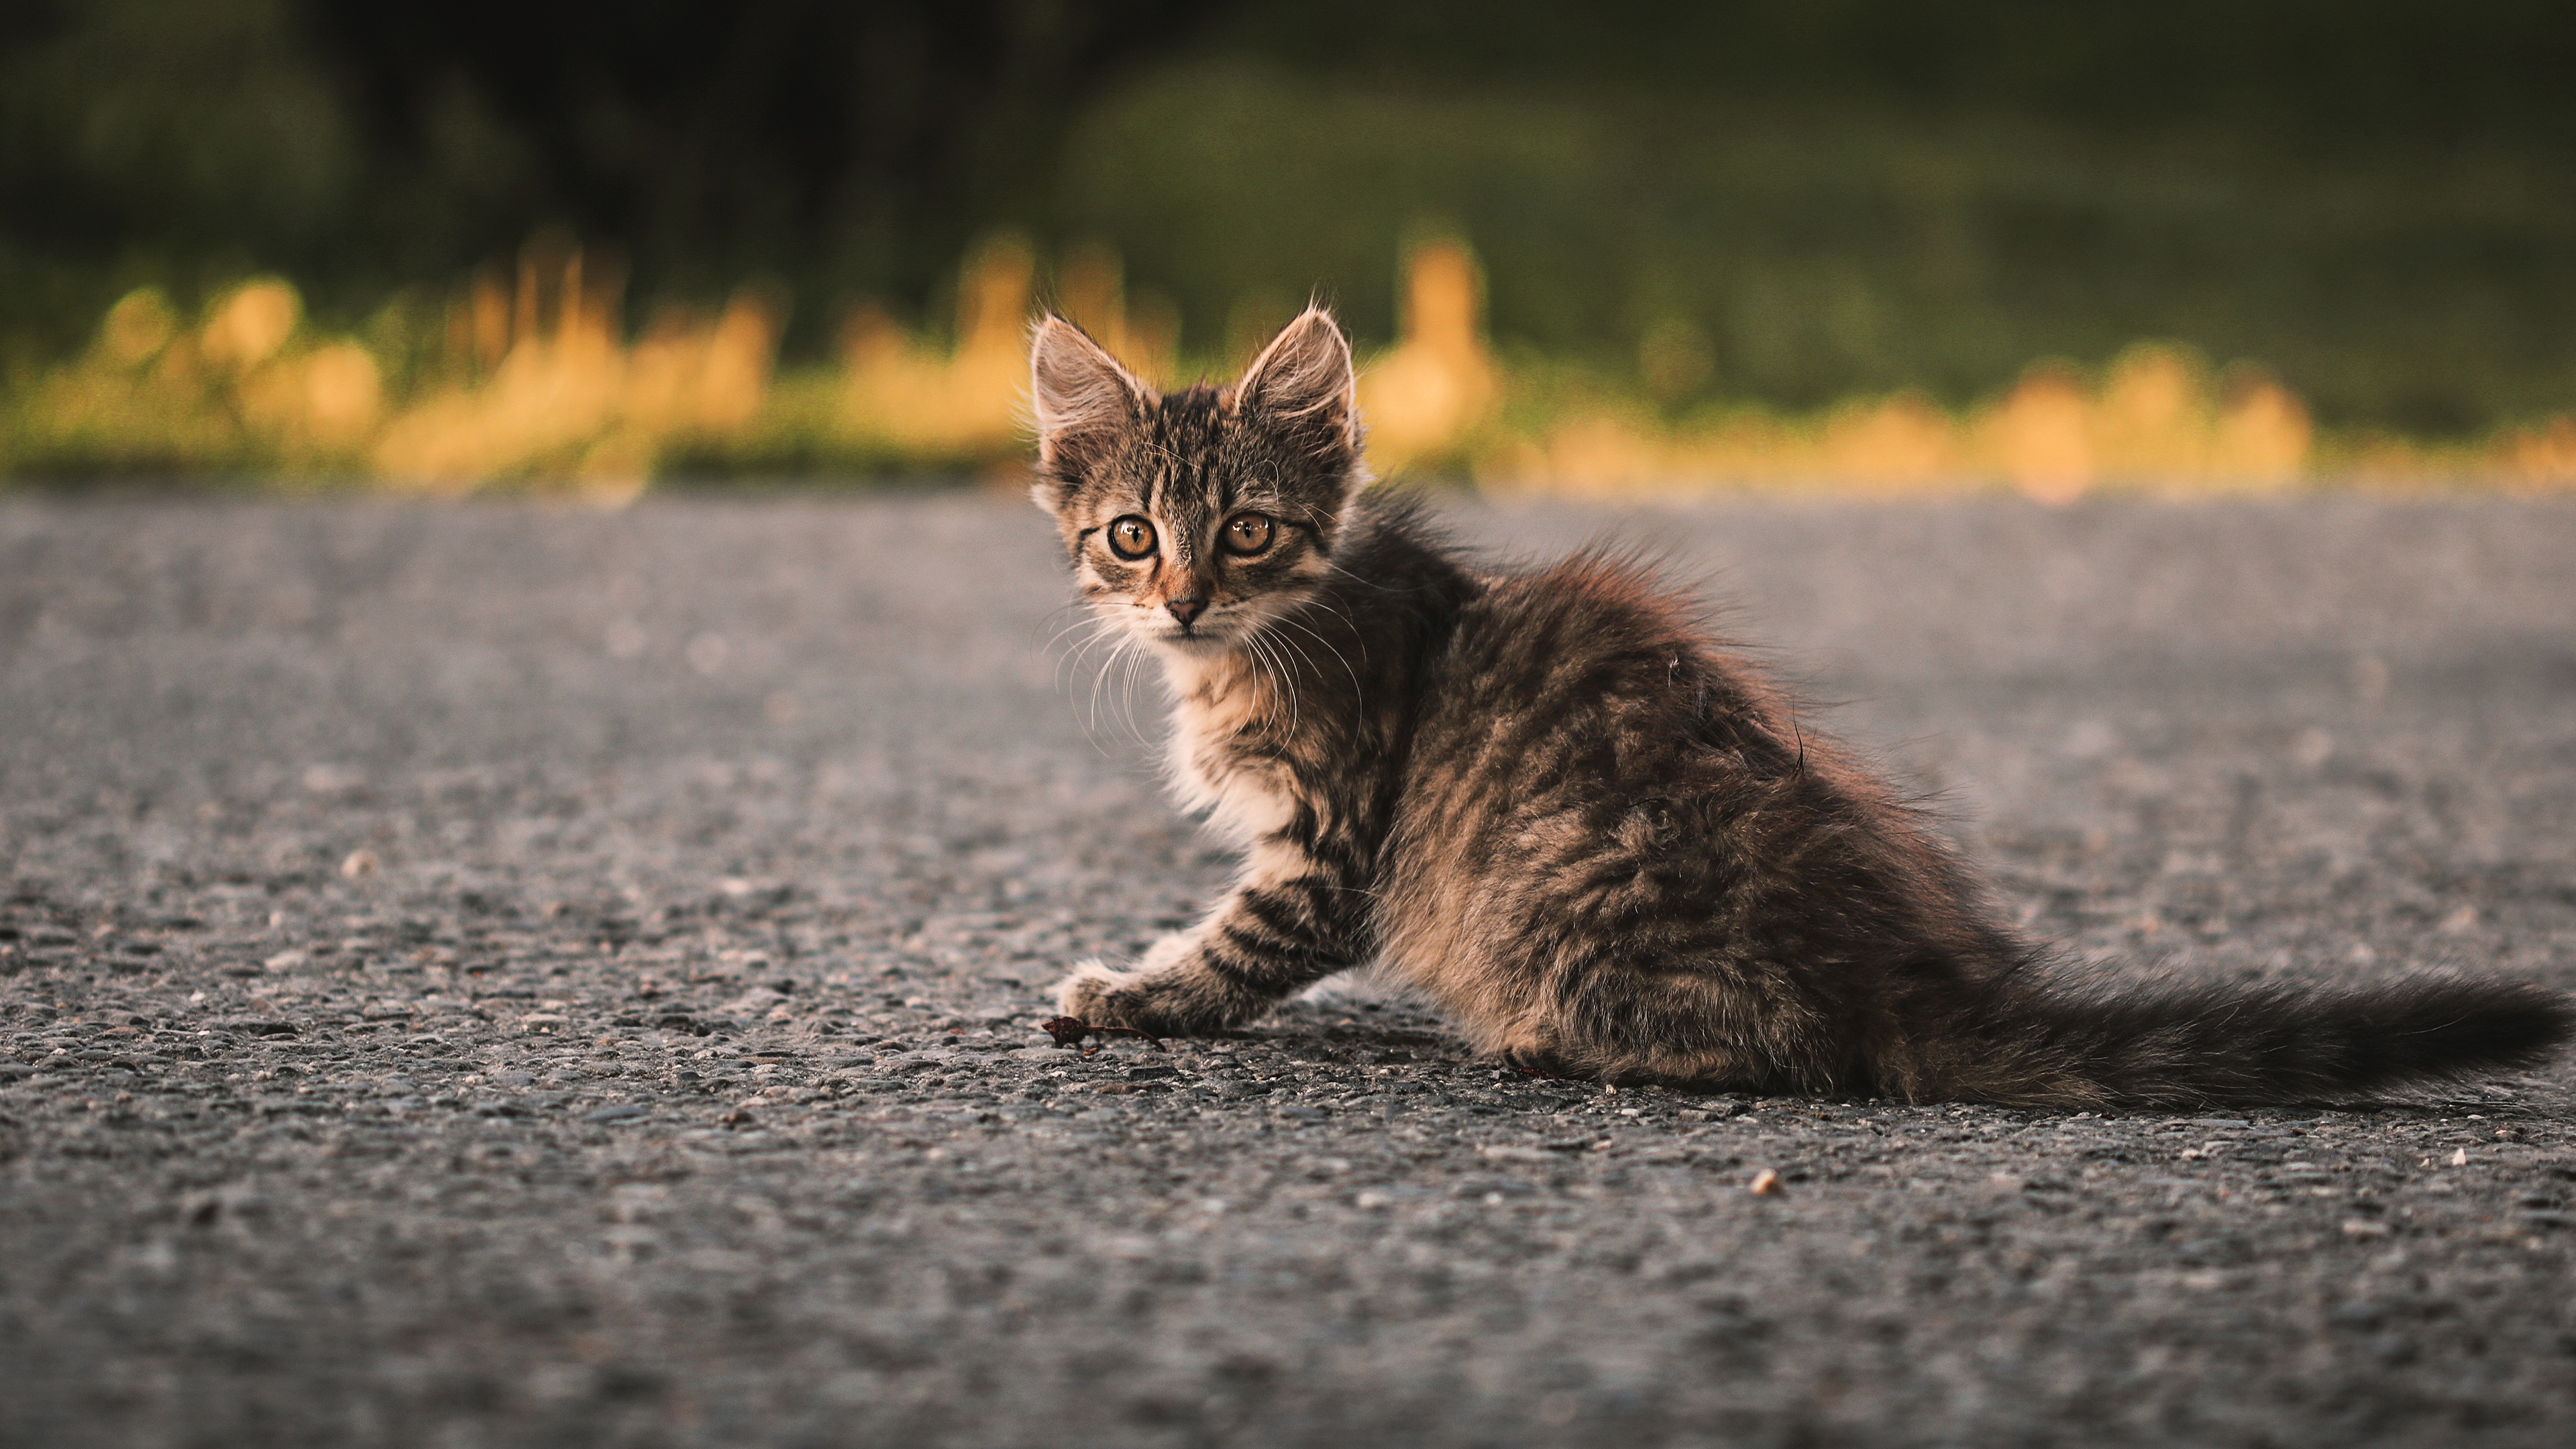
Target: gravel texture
{"type": "Point", "coordinates": [499, 975]}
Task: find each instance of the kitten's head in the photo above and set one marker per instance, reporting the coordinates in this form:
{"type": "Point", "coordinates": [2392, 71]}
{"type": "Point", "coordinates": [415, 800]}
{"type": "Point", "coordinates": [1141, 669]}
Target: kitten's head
{"type": "Point", "coordinates": [1195, 517]}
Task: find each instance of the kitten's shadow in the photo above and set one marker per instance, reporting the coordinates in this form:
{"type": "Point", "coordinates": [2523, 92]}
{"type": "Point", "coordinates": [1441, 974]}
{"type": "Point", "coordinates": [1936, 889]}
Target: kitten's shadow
{"type": "Point", "coordinates": [1345, 1030]}
{"type": "Point", "coordinates": [1342, 1031]}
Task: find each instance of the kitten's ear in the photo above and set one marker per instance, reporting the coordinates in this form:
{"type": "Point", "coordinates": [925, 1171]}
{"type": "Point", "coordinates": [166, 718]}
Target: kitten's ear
{"type": "Point", "coordinates": [1084, 399]}
{"type": "Point", "coordinates": [1304, 381]}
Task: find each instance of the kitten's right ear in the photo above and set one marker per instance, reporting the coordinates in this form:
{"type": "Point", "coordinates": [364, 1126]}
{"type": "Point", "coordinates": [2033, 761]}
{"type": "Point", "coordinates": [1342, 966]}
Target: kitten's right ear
{"type": "Point", "coordinates": [1304, 381]}
{"type": "Point", "coordinates": [1084, 400]}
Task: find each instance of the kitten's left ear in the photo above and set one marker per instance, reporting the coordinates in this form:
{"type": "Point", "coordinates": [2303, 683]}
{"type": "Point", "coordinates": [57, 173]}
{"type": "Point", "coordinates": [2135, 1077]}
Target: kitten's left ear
{"type": "Point", "coordinates": [1304, 381]}
{"type": "Point", "coordinates": [1084, 400]}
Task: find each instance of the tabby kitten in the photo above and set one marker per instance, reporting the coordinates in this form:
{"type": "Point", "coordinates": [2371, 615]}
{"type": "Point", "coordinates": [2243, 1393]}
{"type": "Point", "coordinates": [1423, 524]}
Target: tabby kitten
{"type": "Point", "coordinates": [1548, 803]}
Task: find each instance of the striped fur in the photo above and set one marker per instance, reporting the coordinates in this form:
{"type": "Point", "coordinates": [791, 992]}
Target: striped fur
{"type": "Point", "coordinates": [1549, 803]}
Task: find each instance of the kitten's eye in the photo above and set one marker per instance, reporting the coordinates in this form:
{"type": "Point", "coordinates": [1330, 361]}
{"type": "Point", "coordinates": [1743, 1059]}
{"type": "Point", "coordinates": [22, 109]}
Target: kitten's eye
{"type": "Point", "coordinates": [1131, 537]}
{"type": "Point", "coordinates": [1247, 533]}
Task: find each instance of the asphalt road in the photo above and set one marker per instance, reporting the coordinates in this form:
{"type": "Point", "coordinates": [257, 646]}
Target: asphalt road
{"type": "Point", "coordinates": [498, 975]}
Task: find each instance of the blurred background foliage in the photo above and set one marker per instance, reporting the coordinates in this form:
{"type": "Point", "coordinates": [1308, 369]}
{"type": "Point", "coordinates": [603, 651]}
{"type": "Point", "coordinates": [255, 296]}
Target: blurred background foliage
{"type": "Point", "coordinates": [1673, 210]}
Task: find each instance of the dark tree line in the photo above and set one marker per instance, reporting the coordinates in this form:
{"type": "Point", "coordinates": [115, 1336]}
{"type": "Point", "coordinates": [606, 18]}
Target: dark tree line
{"type": "Point", "coordinates": [849, 147]}
{"type": "Point", "coordinates": [361, 145]}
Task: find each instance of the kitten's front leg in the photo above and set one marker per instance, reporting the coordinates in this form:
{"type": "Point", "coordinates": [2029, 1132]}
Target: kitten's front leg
{"type": "Point", "coordinates": [1279, 932]}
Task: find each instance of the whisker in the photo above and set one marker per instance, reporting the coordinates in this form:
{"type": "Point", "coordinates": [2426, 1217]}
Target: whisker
{"type": "Point", "coordinates": [1265, 664]}
{"type": "Point", "coordinates": [1071, 658]}
{"type": "Point", "coordinates": [1288, 675]}
{"type": "Point", "coordinates": [1282, 678]}
{"type": "Point", "coordinates": [1131, 659]}
{"type": "Point", "coordinates": [1100, 677]}
{"type": "Point", "coordinates": [1106, 634]}
{"type": "Point", "coordinates": [1357, 689]}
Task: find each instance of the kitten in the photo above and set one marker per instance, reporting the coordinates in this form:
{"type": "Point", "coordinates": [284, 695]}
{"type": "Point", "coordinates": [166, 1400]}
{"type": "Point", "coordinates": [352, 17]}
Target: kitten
{"type": "Point", "coordinates": [1549, 804]}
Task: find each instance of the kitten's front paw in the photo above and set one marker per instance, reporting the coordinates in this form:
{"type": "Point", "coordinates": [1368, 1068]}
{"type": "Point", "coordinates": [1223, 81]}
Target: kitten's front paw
{"type": "Point", "coordinates": [1167, 1002]}
{"type": "Point", "coordinates": [1089, 993]}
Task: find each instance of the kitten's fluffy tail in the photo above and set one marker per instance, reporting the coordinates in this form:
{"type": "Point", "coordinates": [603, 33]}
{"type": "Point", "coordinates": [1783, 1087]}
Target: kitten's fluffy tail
{"type": "Point", "coordinates": [2182, 1045]}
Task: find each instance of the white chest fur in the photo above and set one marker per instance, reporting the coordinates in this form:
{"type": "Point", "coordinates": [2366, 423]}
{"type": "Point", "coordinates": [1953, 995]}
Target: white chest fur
{"type": "Point", "coordinates": [1213, 772]}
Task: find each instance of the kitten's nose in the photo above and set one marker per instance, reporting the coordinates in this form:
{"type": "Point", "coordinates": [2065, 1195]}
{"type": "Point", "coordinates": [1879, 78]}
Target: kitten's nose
{"type": "Point", "coordinates": [1186, 610]}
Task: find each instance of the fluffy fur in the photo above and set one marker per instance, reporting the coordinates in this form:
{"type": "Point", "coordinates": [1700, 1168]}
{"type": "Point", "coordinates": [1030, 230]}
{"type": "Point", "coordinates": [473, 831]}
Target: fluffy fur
{"type": "Point", "coordinates": [1550, 804]}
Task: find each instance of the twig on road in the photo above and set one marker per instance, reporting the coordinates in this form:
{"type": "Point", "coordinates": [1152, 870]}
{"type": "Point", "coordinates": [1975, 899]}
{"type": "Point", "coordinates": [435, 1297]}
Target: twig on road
{"type": "Point", "coordinates": [1069, 1031]}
